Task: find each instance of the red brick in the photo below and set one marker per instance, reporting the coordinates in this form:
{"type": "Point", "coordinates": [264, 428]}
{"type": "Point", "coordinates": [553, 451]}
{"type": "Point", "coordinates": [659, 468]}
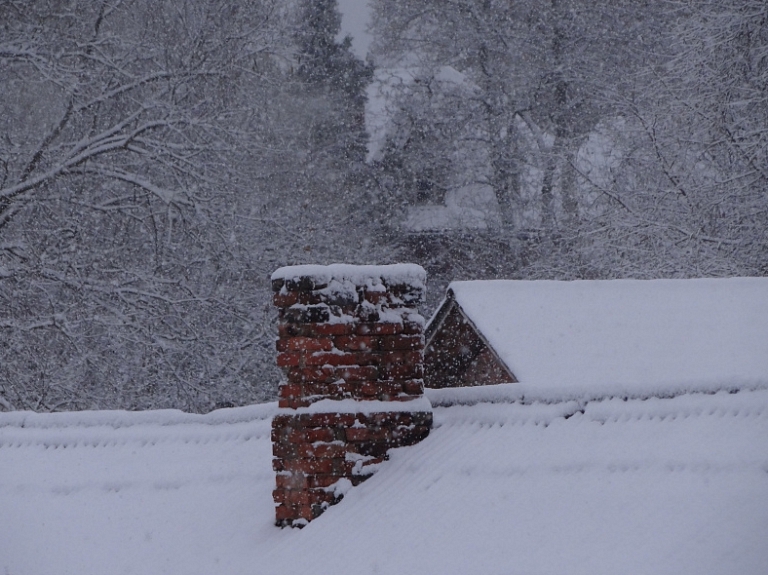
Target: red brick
{"type": "Point", "coordinates": [402, 371]}
{"type": "Point", "coordinates": [310, 465]}
{"type": "Point", "coordinates": [305, 512]}
{"type": "Point", "coordinates": [379, 328]}
{"type": "Point", "coordinates": [372, 358]}
{"type": "Point", "coordinates": [411, 435]}
{"type": "Point", "coordinates": [322, 450]}
{"type": "Point", "coordinates": [296, 436]}
{"type": "Point", "coordinates": [321, 496]}
{"type": "Point", "coordinates": [413, 386]}
{"type": "Point", "coordinates": [283, 512]}
{"type": "Point", "coordinates": [314, 435]}
{"type": "Point", "coordinates": [333, 328]}
{"type": "Point", "coordinates": [327, 420]}
{"type": "Point", "coordinates": [293, 330]}
{"type": "Point", "coordinates": [316, 389]}
{"type": "Point", "coordinates": [290, 391]}
{"type": "Point", "coordinates": [389, 391]}
{"type": "Point", "coordinates": [304, 344]}
{"type": "Point", "coordinates": [285, 299]}
{"type": "Point", "coordinates": [279, 434]}
{"type": "Point", "coordinates": [323, 480]}
{"type": "Point", "coordinates": [288, 359]}
{"type": "Point", "coordinates": [357, 372]}
{"type": "Point", "coordinates": [402, 341]}
{"type": "Point", "coordinates": [402, 357]}
{"type": "Point", "coordinates": [287, 514]}
{"type": "Point", "coordinates": [379, 360]}
{"type": "Point", "coordinates": [357, 342]}
{"type": "Point", "coordinates": [412, 327]}
{"type": "Point", "coordinates": [289, 298]}
{"type": "Point", "coordinates": [347, 388]}
{"type": "Point", "coordinates": [311, 374]}
{"type": "Point", "coordinates": [280, 496]}
{"type": "Point", "coordinates": [369, 389]}
{"type": "Point", "coordinates": [283, 421]}
{"type": "Point", "coordinates": [293, 497]}
{"type": "Point", "coordinates": [286, 450]}
{"type": "Point", "coordinates": [341, 392]}
{"type": "Point", "coordinates": [342, 467]}
{"type": "Point", "coordinates": [327, 358]}
{"type": "Point", "coordinates": [304, 314]}
{"type": "Point", "coordinates": [366, 434]}
{"type": "Point", "coordinates": [386, 418]}
{"type": "Point", "coordinates": [293, 481]}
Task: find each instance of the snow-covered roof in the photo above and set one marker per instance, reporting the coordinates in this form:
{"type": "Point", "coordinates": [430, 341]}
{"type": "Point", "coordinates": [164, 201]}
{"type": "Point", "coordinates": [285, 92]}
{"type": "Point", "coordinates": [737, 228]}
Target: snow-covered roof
{"type": "Point", "coordinates": [512, 479]}
{"type": "Point", "coordinates": [633, 334]}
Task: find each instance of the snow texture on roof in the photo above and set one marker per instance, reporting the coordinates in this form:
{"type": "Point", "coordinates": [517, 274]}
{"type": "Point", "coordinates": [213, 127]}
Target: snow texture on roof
{"type": "Point", "coordinates": [366, 406]}
{"type": "Point", "coordinates": [673, 485]}
{"type": "Point", "coordinates": [410, 274]}
{"type": "Point", "coordinates": [625, 334]}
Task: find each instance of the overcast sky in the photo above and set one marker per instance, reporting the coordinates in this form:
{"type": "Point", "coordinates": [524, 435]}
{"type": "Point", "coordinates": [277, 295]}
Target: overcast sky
{"type": "Point", "coordinates": [354, 20]}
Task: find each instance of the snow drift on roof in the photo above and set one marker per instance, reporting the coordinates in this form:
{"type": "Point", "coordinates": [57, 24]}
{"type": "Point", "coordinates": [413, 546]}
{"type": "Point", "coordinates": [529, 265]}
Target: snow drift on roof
{"type": "Point", "coordinates": [630, 333]}
{"type": "Point", "coordinates": [585, 487]}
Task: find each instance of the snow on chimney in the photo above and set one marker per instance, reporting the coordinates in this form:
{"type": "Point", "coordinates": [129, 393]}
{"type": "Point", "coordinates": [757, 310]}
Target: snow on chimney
{"type": "Point", "coordinates": [351, 346]}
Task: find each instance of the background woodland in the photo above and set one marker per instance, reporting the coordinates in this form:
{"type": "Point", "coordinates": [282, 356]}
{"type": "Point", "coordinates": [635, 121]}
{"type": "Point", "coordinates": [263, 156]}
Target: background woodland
{"type": "Point", "coordinates": [159, 159]}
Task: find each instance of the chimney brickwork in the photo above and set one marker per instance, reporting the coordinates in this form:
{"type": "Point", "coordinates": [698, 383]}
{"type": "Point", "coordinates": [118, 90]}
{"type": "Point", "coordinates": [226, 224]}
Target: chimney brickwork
{"type": "Point", "coordinates": [351, 345]}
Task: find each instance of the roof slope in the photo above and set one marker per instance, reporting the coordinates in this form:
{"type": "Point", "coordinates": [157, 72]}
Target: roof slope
{"type": "Point", "coordinates": [628, 333]}
{"type": "Point", "coordinates": [511, 480]}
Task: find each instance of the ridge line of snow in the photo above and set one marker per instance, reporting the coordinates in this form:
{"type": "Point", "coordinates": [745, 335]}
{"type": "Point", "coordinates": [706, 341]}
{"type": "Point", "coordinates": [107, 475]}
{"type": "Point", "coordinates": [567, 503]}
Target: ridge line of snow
{"type": "Point", "coordinates": [119, 419]}
{"type": "Point", "coordinates": [369, 406]}
{"type": "Point", "coordinates": [527, 394]}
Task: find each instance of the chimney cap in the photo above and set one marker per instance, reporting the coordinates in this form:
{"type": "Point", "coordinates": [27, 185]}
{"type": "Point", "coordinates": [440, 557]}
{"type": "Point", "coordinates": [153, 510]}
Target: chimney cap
{"type": "Point", "coordinates": [311, 277]}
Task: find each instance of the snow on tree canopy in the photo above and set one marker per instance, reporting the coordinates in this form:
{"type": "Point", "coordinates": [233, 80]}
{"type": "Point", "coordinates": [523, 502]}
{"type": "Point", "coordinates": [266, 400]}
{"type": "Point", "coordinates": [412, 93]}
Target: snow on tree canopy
{"type": "Point", "coordinates": [623, 333]}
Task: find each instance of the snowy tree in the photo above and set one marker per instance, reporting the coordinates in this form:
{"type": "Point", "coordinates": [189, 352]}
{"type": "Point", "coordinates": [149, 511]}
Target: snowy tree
{"type": "Point", "coordinates": [541, 78]}
{"type": "Point", "coordinates": [686, 192]}
{"type": "Point", "coordinates": [157, 161]}
{"type": "Point", "coordinates": [330, 70]}
{"type": "Point", "coordinates": [123, 123]}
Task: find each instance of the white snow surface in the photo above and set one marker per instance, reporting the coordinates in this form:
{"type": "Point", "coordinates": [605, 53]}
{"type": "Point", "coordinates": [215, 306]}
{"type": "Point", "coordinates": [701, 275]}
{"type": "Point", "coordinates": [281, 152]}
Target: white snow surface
{"type": "Point", "coordinates": [629, 335]}
{"type": "Point", "coordinates": [504, 484]}
{"type": "Point", "coordinates": [366, 407]}
{"type": "Point", "coordinates": [359, 275]}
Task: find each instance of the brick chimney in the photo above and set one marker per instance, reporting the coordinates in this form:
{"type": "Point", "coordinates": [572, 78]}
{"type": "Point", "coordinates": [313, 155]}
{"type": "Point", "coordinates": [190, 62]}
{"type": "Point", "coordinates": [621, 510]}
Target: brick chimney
{"type": "Point", "coordinates": [351, 346]}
